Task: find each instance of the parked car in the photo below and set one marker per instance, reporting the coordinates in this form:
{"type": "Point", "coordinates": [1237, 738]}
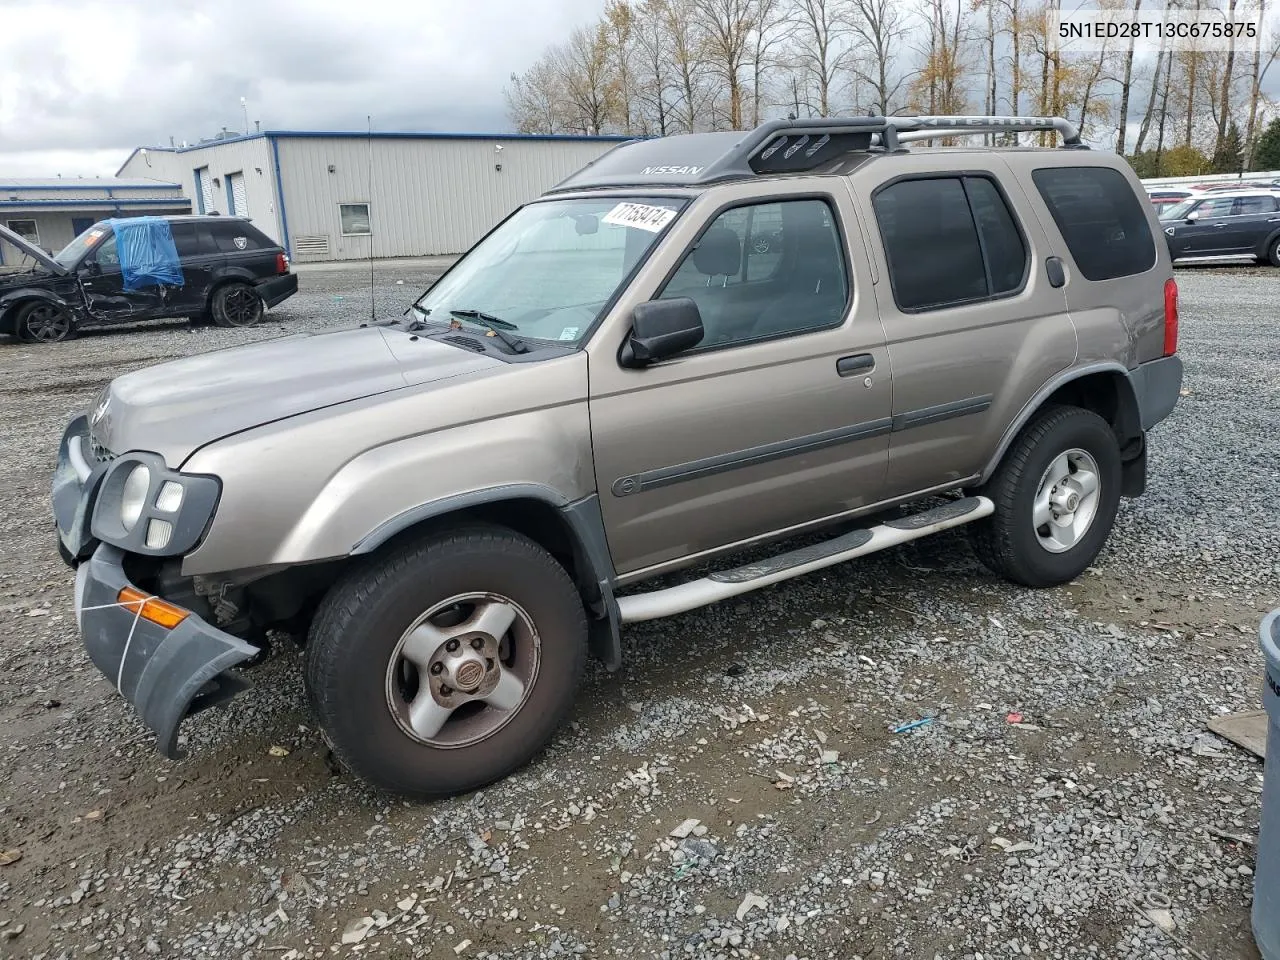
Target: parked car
{"type": "Point", "coordinates": [221, 268]}
{"type": "Point", "coordinates": [453, 508]}
{"type": "Point", "coordinates": [1243, 223]}
{"type": "Point", "coordinates": [1162, 198]}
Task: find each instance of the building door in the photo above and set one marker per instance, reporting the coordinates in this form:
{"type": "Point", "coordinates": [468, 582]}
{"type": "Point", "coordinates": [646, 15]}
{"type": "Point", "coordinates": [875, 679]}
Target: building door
{"type": "Point", "coordinates": [237, 201]}
{"type": "Point", "coordinates": [204, 190]}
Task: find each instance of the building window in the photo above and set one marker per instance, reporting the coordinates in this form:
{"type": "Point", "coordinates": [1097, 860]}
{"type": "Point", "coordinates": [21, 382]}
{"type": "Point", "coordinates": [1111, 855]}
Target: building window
{"type": "Point", "coordinates": [355, 219]}
{"type": "Point", "coordinates": [26, 229]}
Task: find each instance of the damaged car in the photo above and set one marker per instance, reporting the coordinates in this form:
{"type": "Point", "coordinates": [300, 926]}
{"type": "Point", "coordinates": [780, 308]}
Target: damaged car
{"type": "Point", "coordinates": [125, 270]}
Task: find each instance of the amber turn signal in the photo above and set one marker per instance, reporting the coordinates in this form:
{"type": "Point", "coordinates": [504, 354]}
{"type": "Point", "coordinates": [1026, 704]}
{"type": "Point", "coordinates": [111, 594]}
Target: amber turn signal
{"type": "Point", "coordinates": [152, 608]}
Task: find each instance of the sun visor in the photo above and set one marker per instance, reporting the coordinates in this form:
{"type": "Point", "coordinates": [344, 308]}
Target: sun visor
{"type": "Point", "coordinates": [148, 255]}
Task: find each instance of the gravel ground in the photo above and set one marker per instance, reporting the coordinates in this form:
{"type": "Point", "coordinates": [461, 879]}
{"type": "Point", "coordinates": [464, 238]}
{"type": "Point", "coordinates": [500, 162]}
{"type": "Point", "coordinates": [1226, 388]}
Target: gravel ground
{"type": "Point", "coordinates": [736, 790]}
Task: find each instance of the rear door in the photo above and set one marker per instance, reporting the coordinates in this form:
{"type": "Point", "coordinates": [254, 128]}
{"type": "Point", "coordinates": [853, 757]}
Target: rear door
{"type": "Point", "coordinates": [1252, 220]}
{"type": "Point", "coordinates": [973, 321]}
{"type": "Point", "coordinates": [248, 252]}
{"type": "Point", "coordinates": [201, 259]}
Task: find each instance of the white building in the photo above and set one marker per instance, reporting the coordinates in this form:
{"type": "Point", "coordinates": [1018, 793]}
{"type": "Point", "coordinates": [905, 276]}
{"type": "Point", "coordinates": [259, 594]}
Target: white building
{"type": "Point", "coordinates": [50, 213]}
{"type": "Point", "coordinates": [346, 196]}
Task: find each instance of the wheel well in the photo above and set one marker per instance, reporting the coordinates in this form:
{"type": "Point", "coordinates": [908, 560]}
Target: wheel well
{"type": "Point", "coordinates": [1110, 396]}
{"type": "Point", "coordinates": [288, 598]}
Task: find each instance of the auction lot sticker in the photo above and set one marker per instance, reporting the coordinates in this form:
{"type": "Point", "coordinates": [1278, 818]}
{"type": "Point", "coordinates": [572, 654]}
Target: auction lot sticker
{"type": "Point", "coordinates": [640, 215]}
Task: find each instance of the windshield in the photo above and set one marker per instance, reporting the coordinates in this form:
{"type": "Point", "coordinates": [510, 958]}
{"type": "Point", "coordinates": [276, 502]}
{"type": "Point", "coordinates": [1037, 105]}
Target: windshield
{"type": "Point", "coordinates": [1179, 211]}
{"type": "Point", "coordinates": [549, 270]}
{"type": "Point", "coordinates": [69, 255]}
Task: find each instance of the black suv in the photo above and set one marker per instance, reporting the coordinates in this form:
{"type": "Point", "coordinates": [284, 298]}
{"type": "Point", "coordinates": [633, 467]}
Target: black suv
{"type": "Point", "coordinates": [1224, 226]}
{"type": "Point", "coordinates": [215, 268]}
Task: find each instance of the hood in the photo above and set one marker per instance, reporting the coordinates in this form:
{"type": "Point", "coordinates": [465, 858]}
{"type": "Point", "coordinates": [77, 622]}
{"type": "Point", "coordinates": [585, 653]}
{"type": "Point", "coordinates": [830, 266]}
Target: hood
{"type": "Point", "coordinates": [174, 408]}
{"type": "Point", "coordinates": [35, 253]}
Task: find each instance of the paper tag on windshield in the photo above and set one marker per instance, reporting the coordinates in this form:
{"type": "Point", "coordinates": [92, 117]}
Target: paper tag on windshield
{"type": "Point", "coordinates": [569, 333]}
{"type": "Point", "coordinates": [639, 215]}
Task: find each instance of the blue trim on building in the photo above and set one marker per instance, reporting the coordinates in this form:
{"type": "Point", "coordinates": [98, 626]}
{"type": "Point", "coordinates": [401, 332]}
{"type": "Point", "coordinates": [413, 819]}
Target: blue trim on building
{"type": "Point", "coordinates": [284, 217]}
{"type": "Point", "coordinates": [96, 202]}
{"type": "Point", "coordinates": [52, 187]}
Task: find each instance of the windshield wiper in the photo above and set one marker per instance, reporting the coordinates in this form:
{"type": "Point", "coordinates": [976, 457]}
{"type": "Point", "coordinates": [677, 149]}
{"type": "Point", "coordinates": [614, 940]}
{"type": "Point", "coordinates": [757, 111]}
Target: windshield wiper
{"type": "Point", "coordinates": [497, 325]}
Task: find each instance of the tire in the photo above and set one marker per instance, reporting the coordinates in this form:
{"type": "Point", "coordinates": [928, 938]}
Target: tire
{"type": "Point", "coordinates": [43, 322]}
{"type": "Point", "coordinates": [361, 689]}
{"type": "Point", "coordinates": [1273, 252]}
{"type": "Point", "coordinates": [235, 305]}
{"type": "Point", "coordinates": [1008, 542]}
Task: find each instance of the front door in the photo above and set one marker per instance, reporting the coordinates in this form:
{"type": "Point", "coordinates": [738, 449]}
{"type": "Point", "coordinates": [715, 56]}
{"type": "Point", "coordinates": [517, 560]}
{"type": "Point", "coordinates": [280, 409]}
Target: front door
{"type": "Point", "coordinates": [103, 285]}
{"type": "Point", "coordinates": [1209, 234]}
{"type": "Point", "coordinates": [780, 417]}
{"type": "Point", "coordinates": [973, 325]}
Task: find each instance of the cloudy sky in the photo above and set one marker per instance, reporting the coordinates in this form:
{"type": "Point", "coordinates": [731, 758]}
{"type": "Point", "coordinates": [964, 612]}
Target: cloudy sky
{"type": "Point", "coordinates": [83, 82]}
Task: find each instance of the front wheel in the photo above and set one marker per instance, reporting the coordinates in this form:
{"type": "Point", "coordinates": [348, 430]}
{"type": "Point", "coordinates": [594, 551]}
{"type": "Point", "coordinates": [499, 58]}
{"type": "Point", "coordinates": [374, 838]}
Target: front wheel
{"type": "Point", "coordinates": [236, 305]}
{"type": "Point", "coordinates": [44, 322]}
{"type": "Point", "coordinates": [447, 663]}
{"type": "Point", "coordinates": [1056, 494]}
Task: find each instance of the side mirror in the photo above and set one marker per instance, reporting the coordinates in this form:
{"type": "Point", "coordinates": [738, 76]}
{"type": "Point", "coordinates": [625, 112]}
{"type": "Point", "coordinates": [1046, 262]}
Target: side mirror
{"type": "Point", "coordinates": [661, 329]}
{"type": "Point", "coordinates": [1193, 216]}
{"type": "Point", "coordinates": [94, 267]}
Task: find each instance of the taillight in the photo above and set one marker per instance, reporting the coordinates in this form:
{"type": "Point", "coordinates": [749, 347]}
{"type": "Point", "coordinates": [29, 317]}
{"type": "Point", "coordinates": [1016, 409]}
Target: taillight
{"type": "Point", "coordinates": [282, 263]}
{"type": "Point", "coordinates": [1170, 317]}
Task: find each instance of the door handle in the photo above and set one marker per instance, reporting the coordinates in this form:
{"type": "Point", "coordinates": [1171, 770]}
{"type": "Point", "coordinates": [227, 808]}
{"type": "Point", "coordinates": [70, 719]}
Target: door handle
{"type": "Point", "coordinates": [1056, 272]}
{"type": "Point", "coordinates": [858, 363]}
{"type": "Point", "coordinates": [1219, 225]}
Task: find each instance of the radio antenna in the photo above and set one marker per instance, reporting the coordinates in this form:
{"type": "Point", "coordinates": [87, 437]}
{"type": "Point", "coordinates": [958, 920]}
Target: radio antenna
{"type": "Point", "coordinates": [373, 301]}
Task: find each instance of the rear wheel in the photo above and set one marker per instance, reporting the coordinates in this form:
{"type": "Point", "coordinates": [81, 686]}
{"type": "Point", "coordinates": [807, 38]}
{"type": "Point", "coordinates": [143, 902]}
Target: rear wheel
{"type": "Point", "coordinates": [44, 322]}
{"type": "Point", "coordinates": [236, 305]}
{"type": "Point", "coordinates": [1056, 495]}
{"type": "Point", "coordinates": [1273, 252]}
{"type": "Point", "coordinates": [447, 663]}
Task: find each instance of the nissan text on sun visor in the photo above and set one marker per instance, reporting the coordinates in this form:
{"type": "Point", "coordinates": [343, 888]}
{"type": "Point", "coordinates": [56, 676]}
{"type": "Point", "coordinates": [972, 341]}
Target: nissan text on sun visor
{"type": "Point", "coordinates": [148, 256]}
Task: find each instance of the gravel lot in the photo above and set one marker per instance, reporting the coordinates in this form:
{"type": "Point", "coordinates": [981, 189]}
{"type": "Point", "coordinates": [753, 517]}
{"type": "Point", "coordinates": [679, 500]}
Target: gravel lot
{"type": "Point", "coordinates": [767, 720]}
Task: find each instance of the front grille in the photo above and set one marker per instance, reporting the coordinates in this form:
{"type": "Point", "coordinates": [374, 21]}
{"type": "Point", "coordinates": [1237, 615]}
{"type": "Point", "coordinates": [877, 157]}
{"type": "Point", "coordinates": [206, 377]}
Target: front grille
{"type": "Point", "coordinates": [100, 453]}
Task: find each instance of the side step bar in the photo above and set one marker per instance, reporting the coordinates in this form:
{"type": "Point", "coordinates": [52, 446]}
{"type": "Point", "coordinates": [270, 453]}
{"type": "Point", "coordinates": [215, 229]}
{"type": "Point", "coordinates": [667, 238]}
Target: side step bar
{"type": "Point", "coordinates": [730, 583]}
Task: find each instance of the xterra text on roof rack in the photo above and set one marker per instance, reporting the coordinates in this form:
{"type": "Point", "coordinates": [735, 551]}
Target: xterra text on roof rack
{"type": "Point", "coordinates": [619, 382]}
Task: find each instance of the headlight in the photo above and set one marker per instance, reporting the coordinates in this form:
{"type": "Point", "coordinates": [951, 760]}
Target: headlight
{"type": "Point", "coordinates": [144, 507]}
{"type": "Point", "coordinates": [133, 496]}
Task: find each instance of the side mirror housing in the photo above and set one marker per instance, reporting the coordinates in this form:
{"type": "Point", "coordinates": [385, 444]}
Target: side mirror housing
{"type": "Point", "coordinates": [1193, 216]}
{"type": "Point", "coordinates": [661, 329]}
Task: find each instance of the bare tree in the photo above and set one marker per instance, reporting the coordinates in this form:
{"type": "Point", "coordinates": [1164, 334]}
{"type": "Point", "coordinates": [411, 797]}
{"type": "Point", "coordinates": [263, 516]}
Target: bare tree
{"type": "Point", "coordinates": [820, 29]}
{"type": "Point", "coordinates": [535, 100]}
{"type": "Point", "coordinates": [689, 59]}
{"type": "Point", "coordinates": [728, 26]}
{"type": "Point", "coordinates": [583, 65]}
{"type": "Point", "coordinates": [877, 28]}
{"type": "Point", "coordinates": [1125, 86]}
{"type": "Point", "coordinates": [1228, 72]}
{"type": "Point", "coordinates": [655, 75]}
{"type": "Point", "coordinates": [618, 28]}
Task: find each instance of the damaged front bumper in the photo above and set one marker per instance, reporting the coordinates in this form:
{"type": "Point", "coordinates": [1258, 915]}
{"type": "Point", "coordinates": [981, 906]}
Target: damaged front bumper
{"type": "Point", "coordinates": [167, 674]}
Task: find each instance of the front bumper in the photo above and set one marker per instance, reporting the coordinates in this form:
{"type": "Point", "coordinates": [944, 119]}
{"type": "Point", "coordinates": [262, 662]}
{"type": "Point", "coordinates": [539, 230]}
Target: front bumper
{"type": "Point", "coordinates": [277, 289]}
{"type": "Point", "coordinates": [167, 675]}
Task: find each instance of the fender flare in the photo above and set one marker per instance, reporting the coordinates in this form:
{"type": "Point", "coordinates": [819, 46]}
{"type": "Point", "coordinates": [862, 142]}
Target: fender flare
{"type": "Point", "coordinates": [1129, 414]}
{"type": "Point", "coordinates": [13, 298]}
{"type": "Point", "coordinates": [584, 524]}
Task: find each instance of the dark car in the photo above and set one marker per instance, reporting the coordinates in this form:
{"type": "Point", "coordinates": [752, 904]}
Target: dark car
{"type": "Point", "coordinates": [1225, 226]}
{"type": "Point", "coordinates": [222, 269]}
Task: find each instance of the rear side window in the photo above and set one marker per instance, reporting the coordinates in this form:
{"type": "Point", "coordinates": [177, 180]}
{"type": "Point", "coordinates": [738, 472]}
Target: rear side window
{"type": "Point", "coordinates": [233, 236]}
{"type": "Point", "coordinates": [187, 240]}
{"type": "Point", "coordinates": [1102, 221]}
{"type": "Point", "coordinates": [949, 240]}
{"type": "Point", "coordinates": [1250, 206]}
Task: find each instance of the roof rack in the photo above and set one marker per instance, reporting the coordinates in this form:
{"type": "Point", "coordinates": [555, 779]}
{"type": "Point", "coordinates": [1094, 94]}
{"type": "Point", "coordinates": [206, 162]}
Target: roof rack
{"type": "Point", "coordinates": [786, 146]}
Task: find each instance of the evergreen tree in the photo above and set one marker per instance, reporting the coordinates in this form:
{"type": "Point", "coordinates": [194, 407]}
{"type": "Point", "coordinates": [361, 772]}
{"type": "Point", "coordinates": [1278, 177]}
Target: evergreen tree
{"type": "Point", "coordinates": [1227, 158]}
{"type": "Point", "coordinates": [1266, 155]}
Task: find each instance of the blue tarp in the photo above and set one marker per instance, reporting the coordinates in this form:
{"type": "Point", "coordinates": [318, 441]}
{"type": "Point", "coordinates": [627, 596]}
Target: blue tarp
{"type": "Point", "coordinates": [148, 256]}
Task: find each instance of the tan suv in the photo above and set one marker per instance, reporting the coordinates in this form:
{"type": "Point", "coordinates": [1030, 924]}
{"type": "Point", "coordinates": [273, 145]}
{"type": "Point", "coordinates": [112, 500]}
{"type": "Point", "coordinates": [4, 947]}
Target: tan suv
{"type": "Point", "coordinates": [693, 346]}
